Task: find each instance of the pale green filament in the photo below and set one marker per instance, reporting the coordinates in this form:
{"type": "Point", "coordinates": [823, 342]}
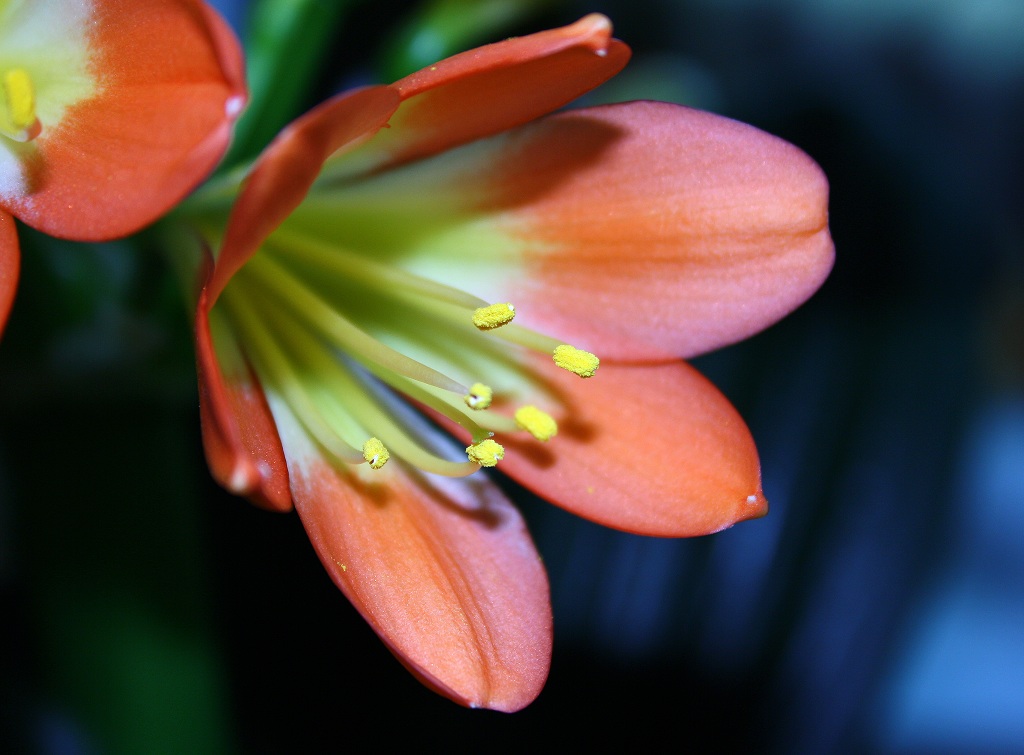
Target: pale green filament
{"type": "Point", "coordinates": [359, 268]}
{"type": "Point", "coordinates": [326, 380]}
{"type": "Point", "coordinates": [271, 363]}
{"type": "Point", "coordinates": [331, 324]}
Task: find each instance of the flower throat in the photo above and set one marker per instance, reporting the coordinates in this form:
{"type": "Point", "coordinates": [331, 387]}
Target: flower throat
{"type": "Point", "coordinates": [343, 339]}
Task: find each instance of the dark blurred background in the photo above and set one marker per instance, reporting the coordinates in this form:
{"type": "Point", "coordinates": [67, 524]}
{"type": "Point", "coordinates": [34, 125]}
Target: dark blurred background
{"type": "Point", "coordinates": [878, 608]}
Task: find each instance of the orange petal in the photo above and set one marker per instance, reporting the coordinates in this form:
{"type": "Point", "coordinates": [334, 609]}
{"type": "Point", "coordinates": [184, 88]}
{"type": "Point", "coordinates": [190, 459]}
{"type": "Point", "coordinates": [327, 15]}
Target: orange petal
{"type": "Point", "coordinates": [638, 231]}
{"type": "Point", "coordinates": [289, 166]}
{"type": "Point", "coordinates": [443, 570]}
{"type": "Point", "coordinates": [170, 85]}
{"type": "Point", "coordinates": [9, 265]}
{"type": "Point", "coordinates": [239, 435]}
{"type": "Point", "coordinates": [655, 450]}
{"type": "Point", "coordinates": [493, 88]}
{"type": "Point", "coordinates": [653, 229]}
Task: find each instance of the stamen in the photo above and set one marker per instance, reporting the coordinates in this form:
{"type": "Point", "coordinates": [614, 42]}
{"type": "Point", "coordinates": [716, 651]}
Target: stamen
{"type": "Point", "coordinates": [580, 362]}
{"type": "Point", "coordinates": [493, 316]}
{"type": "Point", "coordinates": [540, 425]}
{"type": "Point", "coordinates": [375, 453]}
{"type": "Point", "coordinates": [486, 453]}
{"type": "Point", "coordinates": [18, 118]}
{"type": "Point", "coordinates": [479, 396]}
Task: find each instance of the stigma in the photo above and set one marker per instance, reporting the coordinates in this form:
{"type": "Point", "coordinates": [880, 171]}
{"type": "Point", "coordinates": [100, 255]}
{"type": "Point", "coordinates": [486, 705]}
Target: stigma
{"type": "Point", "coordinates": [18, 119]}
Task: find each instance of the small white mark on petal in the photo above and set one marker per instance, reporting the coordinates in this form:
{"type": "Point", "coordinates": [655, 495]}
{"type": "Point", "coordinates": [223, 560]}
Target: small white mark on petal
{"type": "Point", "coordinates": [233, 106]}
{"type": "Point", "coordinates": [239, 482]}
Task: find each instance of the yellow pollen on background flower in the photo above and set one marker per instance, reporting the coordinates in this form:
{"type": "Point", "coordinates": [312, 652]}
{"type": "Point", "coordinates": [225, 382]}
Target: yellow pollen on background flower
{"type": "Point", "coordinates": [493, 316]}
{"type": "Point", "coordinates": [18, 117]}
{"type": "Point", "coordinates": [540, 425]}
{"type": "Point", "coordinates": [486, 453]}
{"type": "Point", "coordinates": [479, 396]}
{"type": "Point", "coordinates": [577, 361]}
{"type": "Point", "coordinates": [375, 453]}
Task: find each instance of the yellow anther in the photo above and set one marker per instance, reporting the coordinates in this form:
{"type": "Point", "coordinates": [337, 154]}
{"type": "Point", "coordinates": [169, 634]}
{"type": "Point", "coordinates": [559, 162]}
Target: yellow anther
{"type": "Point", "coordinates": [18, 117]}
{"type": "Point", "coordinates": [486, 453]}
{"type": "Point", "coordinates": [493, 316]}
{"type": "Point", "coordinates": [479, 396]}
{"type": "Point", "coordinates": [375, 453]}
{"type": "Point", "coordinates": [540, 425]}
{"type": "Point", "coordinates": [583, 363]}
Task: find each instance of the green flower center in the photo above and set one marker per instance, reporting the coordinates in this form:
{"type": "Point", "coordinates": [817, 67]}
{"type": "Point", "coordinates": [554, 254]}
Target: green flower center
{"type": "Point", "coordinates": [348, 342]}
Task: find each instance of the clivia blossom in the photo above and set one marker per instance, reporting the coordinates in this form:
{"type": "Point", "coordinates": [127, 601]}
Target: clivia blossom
{"type": "Point", "coordinates": [110, 112]}
{"type": "Point", "coordinates": [433, 259]}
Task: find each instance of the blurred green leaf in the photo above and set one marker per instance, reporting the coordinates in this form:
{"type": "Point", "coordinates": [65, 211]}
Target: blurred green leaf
{"type": "Point", "coordinates": [440, 28]}
{"type": "Point", "coordinates": [284, 45]}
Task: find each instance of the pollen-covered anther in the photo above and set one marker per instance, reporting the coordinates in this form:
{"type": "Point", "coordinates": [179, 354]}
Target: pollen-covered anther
{"type": "Point", "coordinates": [493, 316]}
{"type": "Point", "coordinates": [18, 115]}
{"type": "Point", "coordinates": [375, 453]}
{"type": "Point", "coordinates": [540, 425]}
{"type": "Point", "coordinates": [479, 396]}
{"type": "Point", "coordinates": [577, 361]}
{"type": "Point", "coordinates": [486, 453]}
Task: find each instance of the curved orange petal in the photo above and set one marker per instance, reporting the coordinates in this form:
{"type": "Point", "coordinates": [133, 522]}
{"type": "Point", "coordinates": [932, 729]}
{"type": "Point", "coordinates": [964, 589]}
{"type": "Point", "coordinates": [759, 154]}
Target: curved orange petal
{"type": "Point", "coordinates": [240, 438]}
{"type": "Point", "coordinates": [443, 570]}
{"type": "Point", "coordinates": [170, 84]}
{"type": "Point", "coordinates": [493, 88]}
{"type": "Point", "coordinates": [638, 231]}
{"type": "Point", "coordinates": [654, 450]}
{"type": "Point", "coordinates": [285, 171]}
{"type": "Point", "coordinates": [9, 266]}
{"type": "Point", "coordinates": [654, 229]}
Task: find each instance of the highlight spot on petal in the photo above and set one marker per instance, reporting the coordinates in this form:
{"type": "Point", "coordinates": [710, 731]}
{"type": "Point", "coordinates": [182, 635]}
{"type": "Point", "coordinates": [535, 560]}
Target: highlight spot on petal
{"type": "Point", "coordinates": [493, 316]}
{"type": "Point", "coordinates": [375, 453]}
{"type": "Point", "coordinates": [539, 424]}
{"type": "Point", "coordinates": [577, 361]}
{"type": "Point", "coordinates": [486, 453]}
{"type": "Point", "coordinates": [479, 396]}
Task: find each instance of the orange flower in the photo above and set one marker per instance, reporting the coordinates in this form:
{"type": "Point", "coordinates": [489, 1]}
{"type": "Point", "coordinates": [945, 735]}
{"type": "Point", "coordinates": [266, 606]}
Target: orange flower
{"type": "Point", "coordinates": [111, 111]}
{"type": "Point", "coordinates": [398, 262]}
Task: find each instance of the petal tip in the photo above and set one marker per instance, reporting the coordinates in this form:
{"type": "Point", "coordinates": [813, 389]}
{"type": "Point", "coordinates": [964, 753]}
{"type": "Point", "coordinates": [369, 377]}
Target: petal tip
{"type": "Point", "coordinates": [754, 506]}
{"type": "Point", "coordinates": [595, 29]}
